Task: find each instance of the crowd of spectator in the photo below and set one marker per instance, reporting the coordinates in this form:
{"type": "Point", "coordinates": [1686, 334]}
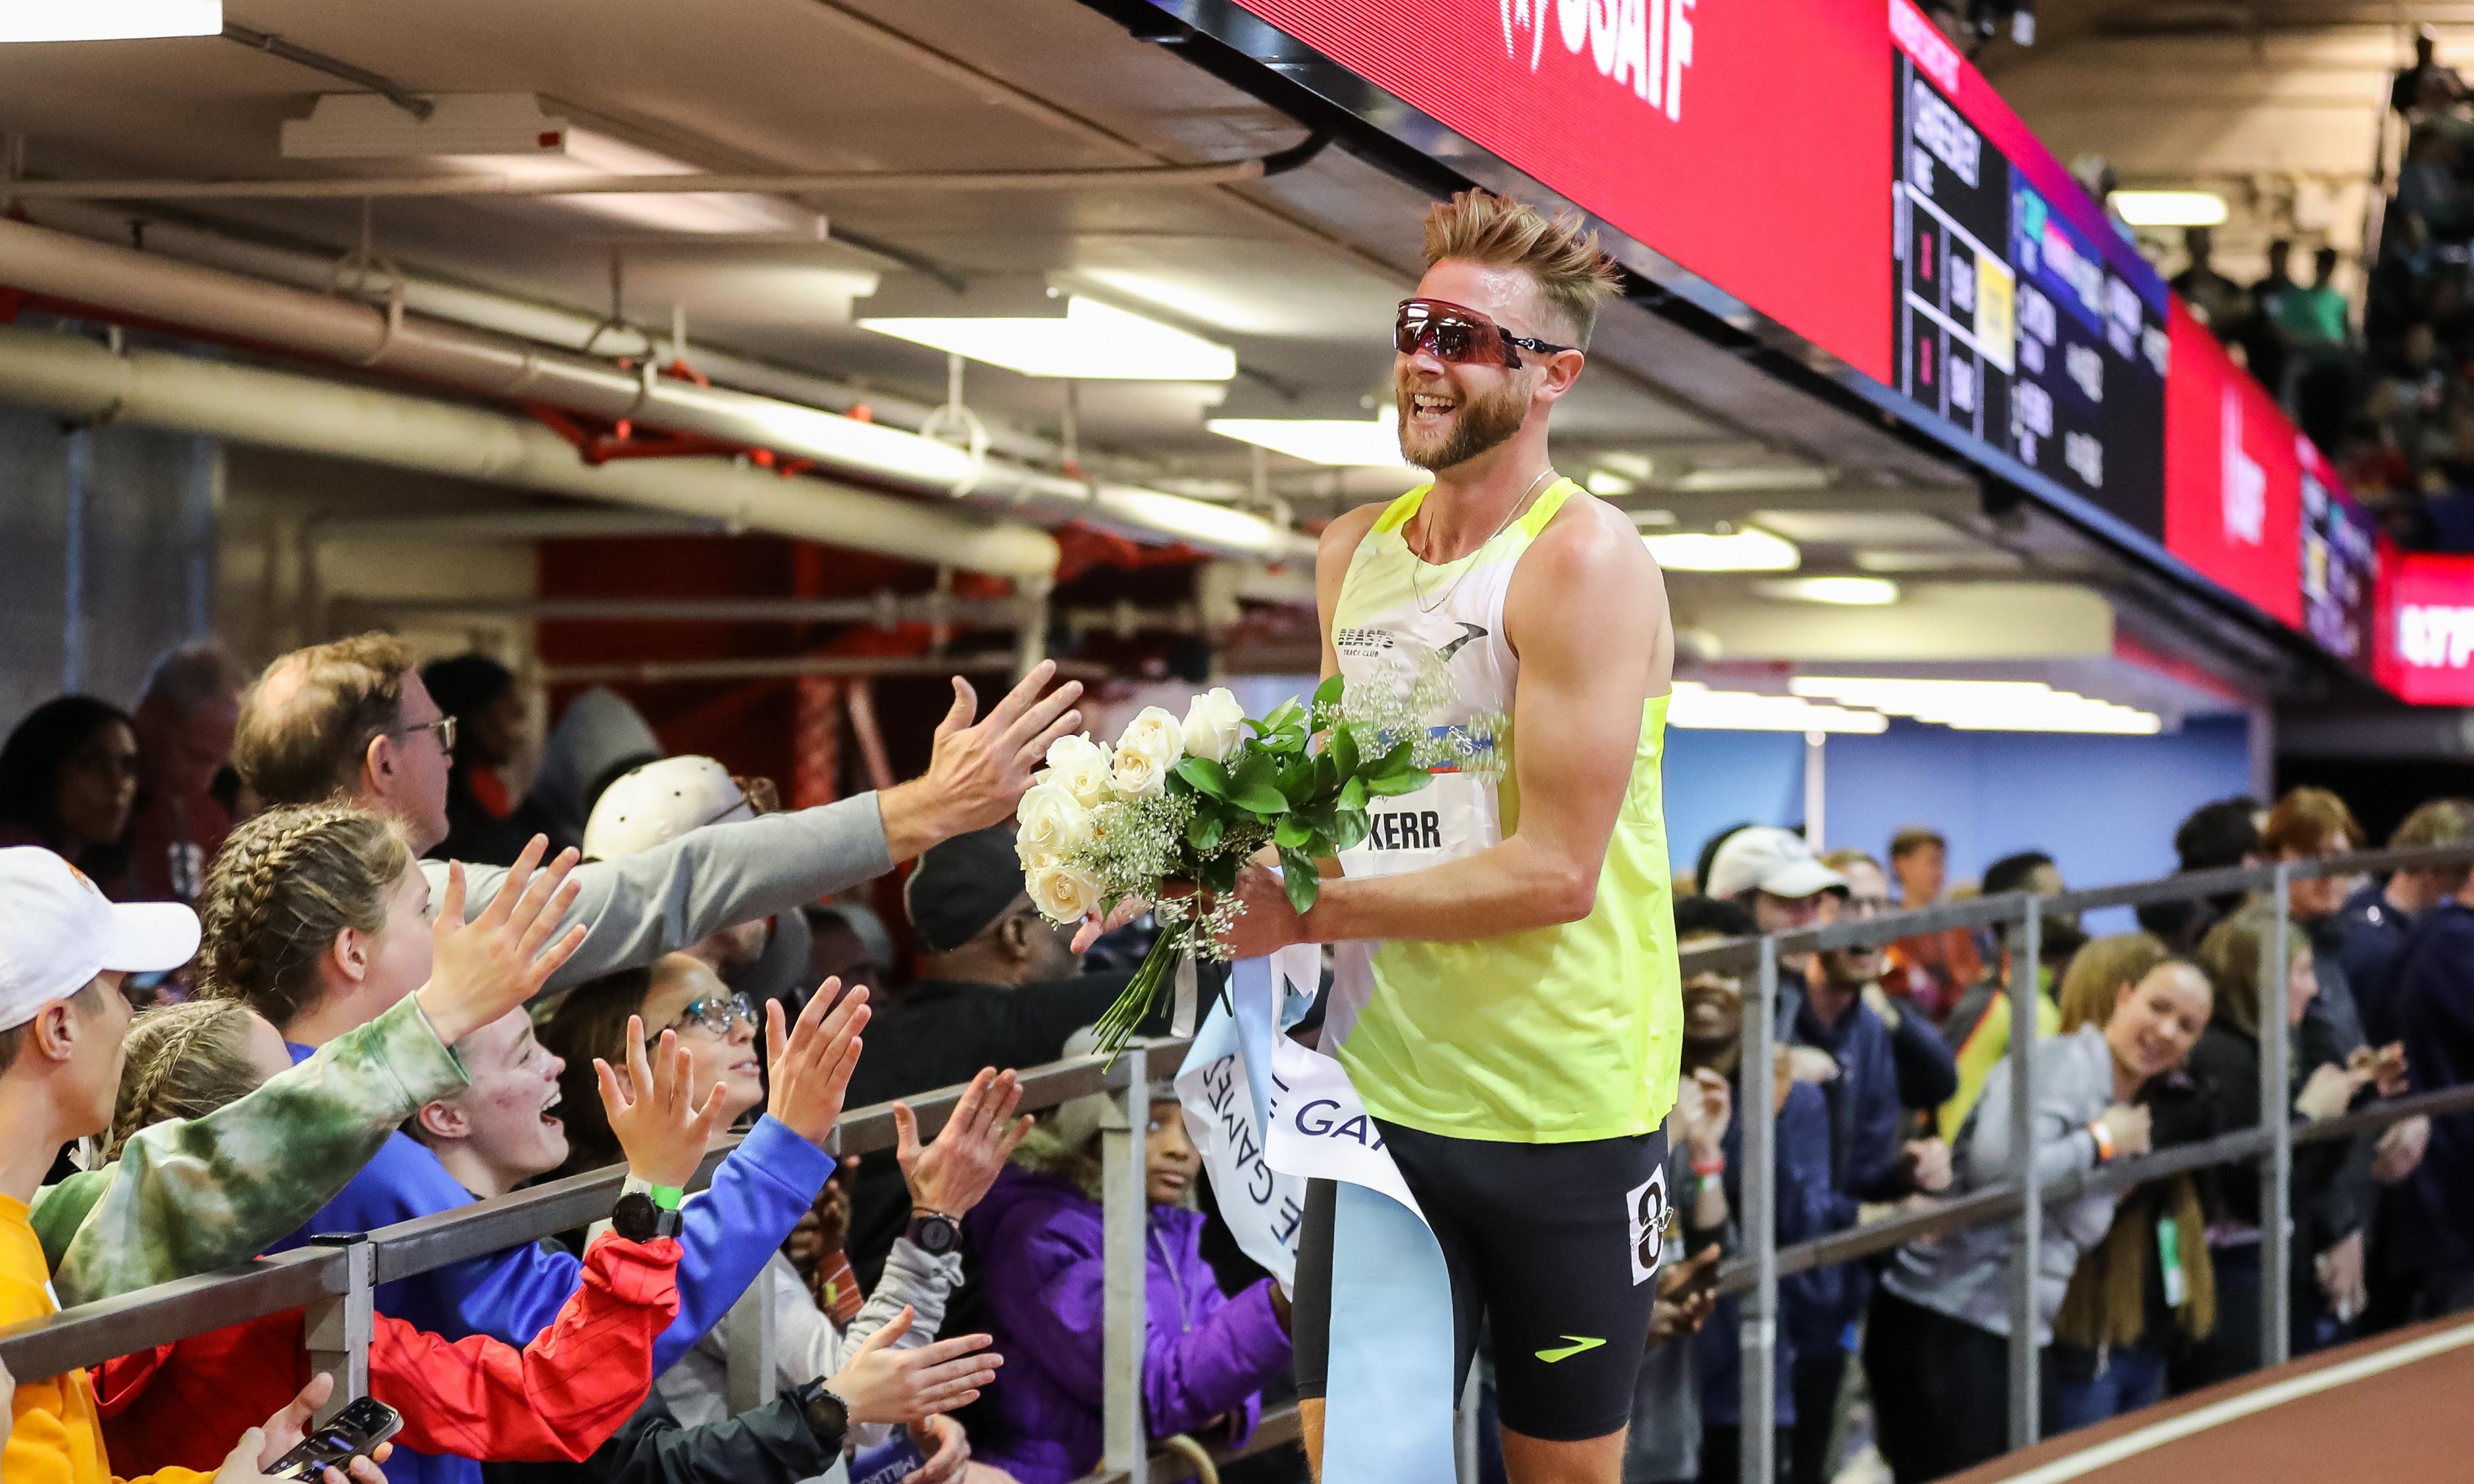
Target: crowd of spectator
{"type": "Point", "coordinates": [336, 1029]}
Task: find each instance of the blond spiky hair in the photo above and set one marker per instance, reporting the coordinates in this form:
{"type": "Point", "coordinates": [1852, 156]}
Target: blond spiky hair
{"type": "Point", "coordinates": [1572, 270]}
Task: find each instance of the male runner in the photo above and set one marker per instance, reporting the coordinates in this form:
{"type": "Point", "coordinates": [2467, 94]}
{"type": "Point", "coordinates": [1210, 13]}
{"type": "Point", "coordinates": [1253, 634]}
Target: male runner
{"type": "Point", "coordinates": [1518, 1040]}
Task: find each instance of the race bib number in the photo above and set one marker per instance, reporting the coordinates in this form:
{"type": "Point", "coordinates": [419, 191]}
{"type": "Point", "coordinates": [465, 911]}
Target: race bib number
{"type": "Point", "coordinates": [1452, 816]}
{"type": "Point", "coordinates": [1646, 1209]}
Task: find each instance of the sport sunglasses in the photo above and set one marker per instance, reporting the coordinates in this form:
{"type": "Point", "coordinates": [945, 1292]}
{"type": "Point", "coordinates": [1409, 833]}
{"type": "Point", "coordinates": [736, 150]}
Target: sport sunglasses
{"type": "Point", "coordinates": [1460, 335]}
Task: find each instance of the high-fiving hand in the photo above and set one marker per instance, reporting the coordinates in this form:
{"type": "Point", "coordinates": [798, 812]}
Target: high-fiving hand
{"type": "Point", "coordinates": [655, 1117]}
{"type": "Point", "coordinates": [979, 771]}
{"type": "Point", "coordinates": [481, 969]}
{"type": "Point", "coordinates": [881, 1384]}
{"type": "Point", "coordinates": [812, 1064]}
{"type": "Point", "coordinates": [950, 1175]}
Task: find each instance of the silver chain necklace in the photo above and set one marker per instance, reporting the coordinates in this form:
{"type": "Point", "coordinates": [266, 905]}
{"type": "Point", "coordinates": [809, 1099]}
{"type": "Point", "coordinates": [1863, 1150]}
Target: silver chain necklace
{"type": "Point", "coordinates": [1418, 589]}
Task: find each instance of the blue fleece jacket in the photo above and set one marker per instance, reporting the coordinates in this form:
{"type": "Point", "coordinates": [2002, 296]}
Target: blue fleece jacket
{"type": "Point", "coordinates": [2374, 935]}
{"type": "Point", "coordinates": [758, 1194]}
{"type": "Point", "coordinates": [2434, 1005]}
{"type": "Point", "coordinates": [1805, 1200]}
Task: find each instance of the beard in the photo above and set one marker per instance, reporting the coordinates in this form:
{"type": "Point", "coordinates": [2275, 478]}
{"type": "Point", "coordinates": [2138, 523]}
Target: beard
{"type": "Point", "coordinates": [1479, 425]}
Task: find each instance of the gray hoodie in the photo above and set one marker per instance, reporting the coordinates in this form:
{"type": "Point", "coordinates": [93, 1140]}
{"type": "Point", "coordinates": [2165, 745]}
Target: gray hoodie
{"type": "Point", "coordinates": [1966, 1274]}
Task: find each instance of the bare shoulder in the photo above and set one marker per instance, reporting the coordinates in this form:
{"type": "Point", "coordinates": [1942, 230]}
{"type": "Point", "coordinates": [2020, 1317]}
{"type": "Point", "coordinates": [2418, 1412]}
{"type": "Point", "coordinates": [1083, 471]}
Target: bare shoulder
{"type": "Point", "coordinates": [1340, 538]}
{"type": "Point", "coordinates": [1593, 545]}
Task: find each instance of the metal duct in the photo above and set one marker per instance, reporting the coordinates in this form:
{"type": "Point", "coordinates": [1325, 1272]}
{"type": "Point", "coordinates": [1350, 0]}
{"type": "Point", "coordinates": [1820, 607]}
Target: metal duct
{"type": "Point", "coordinates": [79, 378]}
{"type": "Point", "coordinates": [166, 292]}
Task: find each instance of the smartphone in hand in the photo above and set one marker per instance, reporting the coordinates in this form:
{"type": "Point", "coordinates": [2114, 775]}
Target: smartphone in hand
{"type": "Point", "coordinates": [355, 1432]}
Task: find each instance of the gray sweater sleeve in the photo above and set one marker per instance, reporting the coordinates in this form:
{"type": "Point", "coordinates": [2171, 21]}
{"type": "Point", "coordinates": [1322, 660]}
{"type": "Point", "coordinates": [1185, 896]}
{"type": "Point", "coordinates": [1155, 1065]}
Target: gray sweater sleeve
{"type": "Point", "coordinates": [641, 906]}
{"type": "Point", "coordinates": [2063, 1144]}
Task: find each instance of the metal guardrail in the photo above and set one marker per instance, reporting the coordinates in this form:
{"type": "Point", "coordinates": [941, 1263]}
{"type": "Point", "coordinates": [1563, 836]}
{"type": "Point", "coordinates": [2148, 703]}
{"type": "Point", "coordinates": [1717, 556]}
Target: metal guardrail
{"type": "Point", "coordinates": [334, 1282]}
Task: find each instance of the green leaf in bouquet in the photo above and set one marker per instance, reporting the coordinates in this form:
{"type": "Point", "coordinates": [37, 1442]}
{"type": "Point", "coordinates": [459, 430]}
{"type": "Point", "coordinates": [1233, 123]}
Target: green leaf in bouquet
{"type": "Point", "coordinates": [1348, 831]}
{"type": "Point", "coordinates": [1206, 776]}
{"type": "Point", "coordinates": [1220, 873]}
{"type": "Point", "coordinates": [1255, 785]}
{"type": "Point", "coordinates": [1300, 878]}
{"type": "Point", "coordinates": [1401, 754]}
{"type": "Point", "coordinates": [1294, 832]}
{"type": "Point", "coordinates": [1407, 778]}
{"type": "Point", "coordinates": [1343, 751]}
{"type": "Point", "coordinates": [1288, 716]}
{"type": "Point", "coordinates": [1296, 783]}
{"type": "Point", "coordinates": [1329, 693]}
{"type": "Point", "coordinates": [1203, 831]}
{"type": "Point", "coordinates": [1352, 794]}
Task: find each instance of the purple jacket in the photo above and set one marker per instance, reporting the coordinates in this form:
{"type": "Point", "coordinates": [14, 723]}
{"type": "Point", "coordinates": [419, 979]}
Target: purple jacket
{"type": "Point", "coordinates": [1207, 1355]}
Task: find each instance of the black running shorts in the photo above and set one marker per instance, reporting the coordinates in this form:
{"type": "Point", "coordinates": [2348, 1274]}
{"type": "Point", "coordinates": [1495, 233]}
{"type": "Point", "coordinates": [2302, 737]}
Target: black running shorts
{"type": "Point", "coordinates": [1552, 1244]}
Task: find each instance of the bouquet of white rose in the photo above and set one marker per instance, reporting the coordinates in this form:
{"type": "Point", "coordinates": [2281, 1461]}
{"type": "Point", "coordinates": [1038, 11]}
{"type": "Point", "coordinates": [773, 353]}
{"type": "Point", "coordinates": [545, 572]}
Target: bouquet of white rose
{"type": "Point", "coordinates": [1191, 802]}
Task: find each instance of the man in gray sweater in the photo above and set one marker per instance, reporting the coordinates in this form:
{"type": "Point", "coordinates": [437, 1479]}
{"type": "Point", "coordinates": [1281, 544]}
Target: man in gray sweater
{"type": "Point", "coordinates": [351, 719]}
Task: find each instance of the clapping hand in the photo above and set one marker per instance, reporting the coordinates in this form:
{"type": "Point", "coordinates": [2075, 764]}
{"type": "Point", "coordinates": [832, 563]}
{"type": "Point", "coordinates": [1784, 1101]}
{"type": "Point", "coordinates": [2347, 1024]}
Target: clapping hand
{"type": "Point", "coordinates": [481, 969]}
{"type": "Point", "coordinates": [812, 1064]}
{"type": "Point", "coordinates": [950, 1175]}
{"type": "Point", "coordinates": [654, 1115]}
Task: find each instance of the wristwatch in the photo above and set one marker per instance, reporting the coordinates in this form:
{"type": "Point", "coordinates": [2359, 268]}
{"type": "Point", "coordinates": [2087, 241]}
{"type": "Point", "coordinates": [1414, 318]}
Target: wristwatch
{"type": "Point", "coordinates": [646, 1213]}
{"type": "Point", "coordinates": [933, 1233]}
{"type": "Point", "coordinates": [828, 1414]}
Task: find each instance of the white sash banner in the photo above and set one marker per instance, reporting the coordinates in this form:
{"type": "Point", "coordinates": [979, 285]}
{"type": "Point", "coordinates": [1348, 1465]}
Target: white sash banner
{"type": "Point", "coordinates": [1268, 1114]}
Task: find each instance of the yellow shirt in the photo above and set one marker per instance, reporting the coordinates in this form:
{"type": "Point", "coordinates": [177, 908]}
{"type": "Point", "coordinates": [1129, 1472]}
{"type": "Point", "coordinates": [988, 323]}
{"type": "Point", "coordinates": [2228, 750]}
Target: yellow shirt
{"type": "Point", "coordinates": [1554, 1036]}
{"type": "Point", "coordinates": [54, 1435]}
{"type": "Point", "coordinates": [1982, 1051]}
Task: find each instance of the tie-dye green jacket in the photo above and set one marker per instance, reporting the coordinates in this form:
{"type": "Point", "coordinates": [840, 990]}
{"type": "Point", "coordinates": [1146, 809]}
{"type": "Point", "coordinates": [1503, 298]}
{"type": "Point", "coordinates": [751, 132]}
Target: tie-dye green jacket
{"type": "Point", "coordinates": [191, 1196]}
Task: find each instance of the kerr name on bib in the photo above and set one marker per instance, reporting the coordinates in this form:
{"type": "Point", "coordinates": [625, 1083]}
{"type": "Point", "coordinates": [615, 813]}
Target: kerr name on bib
{"type": "Point", "coordinates": [1406, 829]}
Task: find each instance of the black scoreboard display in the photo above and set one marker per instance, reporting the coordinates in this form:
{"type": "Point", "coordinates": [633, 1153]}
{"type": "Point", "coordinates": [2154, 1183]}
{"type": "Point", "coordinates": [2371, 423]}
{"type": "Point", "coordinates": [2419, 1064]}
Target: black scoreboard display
{"type": "Point", "coordinates": [2011, 322]}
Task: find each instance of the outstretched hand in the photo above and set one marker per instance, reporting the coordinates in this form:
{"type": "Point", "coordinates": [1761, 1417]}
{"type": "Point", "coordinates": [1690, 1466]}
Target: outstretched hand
{"type": "Point", "coordinates": [950, 1175]}
{"type": "Point", "coordinates": [481, 969]}
{"type": "Point", "coordinates": [812, 1064]}
{"type": "Point", "coordinates": [881, 1384]}
{"type": "Point", "coordinates": [978, 769]}
{"type": "Point", "coordinates": [654, 1116]}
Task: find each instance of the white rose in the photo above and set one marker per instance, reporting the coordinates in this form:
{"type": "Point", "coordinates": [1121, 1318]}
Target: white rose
{"type": "Point", "coordinates": [1215, 724]}
{"type": "Point", "coordinates": [1049, 823]}
{"type": "Point", "coordinates": [1080, 767]}
{"type": "Point", "coordinates": [1153, 743]}
{"type": "Point", "coordinates": [1063, 894]}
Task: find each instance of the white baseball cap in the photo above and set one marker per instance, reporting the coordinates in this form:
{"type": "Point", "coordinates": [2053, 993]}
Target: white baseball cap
{"type": "Point", "coordinates": [1765, 858]}
{"type": "Point", "coordinates": [57, 930]}
{"type": "Point", "coordinates": [659, 802]}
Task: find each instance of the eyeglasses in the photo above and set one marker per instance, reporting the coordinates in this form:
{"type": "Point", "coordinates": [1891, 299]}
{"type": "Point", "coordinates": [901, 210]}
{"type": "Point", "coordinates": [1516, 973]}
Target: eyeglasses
{"type": "Point", "coordinates": [443, 729]}
{"type": "Point", "coordinates": [715, 1014]}
{"type": "Point", "coordinates": [1460, 335]}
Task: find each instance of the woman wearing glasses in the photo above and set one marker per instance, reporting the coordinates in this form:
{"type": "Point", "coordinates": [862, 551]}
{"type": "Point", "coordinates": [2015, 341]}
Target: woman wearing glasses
{"type": "Point", "coordinates": [718, 1029]}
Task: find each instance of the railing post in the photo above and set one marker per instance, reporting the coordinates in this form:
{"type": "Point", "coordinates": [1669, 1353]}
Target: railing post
{"type": "Point", "coordinates": [748, 1368]}
{"type": "Point", "coordinates": [1125, 1236]}
{"type": "Point", "coordinates": [2026, 976]}
{"type": "Point", "coordinates": [2276, 1115]}
{"type": "Point", "coordinates": [1757, 1338]}
{"type": "Point", "coordinates": [336, 1331]}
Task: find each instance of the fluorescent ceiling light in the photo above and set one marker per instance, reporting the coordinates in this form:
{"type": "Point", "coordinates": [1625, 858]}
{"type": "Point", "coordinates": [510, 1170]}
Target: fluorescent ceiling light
{"type": "Point", "coordinates": [709, 212]}
{"type": "Point", "coordinates": [1745, 548]}
{"type": "Point", "coordinates": [1343, 443]}
{"type": "Point", "coordinates": [108, 20]}
{"type": "Point", "coordinates": [1720, 481]}
{"type": "Point", "coordinates": [1981, 705]}
{"type": "Point", "coordinates": [1092, 341]}
{"type": "Point", "coordinates": [2169, 208]}
{"type": "Point", "coordinates": [1606, 482]}
{"type": "Point", "coordinates": [1845, 592]}
{"type": "Point", "coordinates": [1698, 707]}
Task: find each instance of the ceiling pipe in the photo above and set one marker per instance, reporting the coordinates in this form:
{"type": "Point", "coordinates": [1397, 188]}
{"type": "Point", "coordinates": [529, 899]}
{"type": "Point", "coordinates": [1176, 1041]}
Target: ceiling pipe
{"type": "Point", "coordinates": [78, 378]}
{"type": "Point", "coordinates": [185, 296]}
{"type": "Point", "coordinates": [403, 187]}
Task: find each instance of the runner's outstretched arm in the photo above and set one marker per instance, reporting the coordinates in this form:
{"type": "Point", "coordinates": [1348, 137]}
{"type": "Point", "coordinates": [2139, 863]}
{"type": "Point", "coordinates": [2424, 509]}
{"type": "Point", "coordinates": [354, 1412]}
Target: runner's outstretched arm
{"type": "Point", "coordinates": [1586, 615]}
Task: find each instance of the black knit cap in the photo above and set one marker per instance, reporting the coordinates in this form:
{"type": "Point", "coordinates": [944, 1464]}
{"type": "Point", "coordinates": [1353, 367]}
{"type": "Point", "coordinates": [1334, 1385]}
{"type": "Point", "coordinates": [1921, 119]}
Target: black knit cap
{"type": "Point", "coordinates": [962, 885]}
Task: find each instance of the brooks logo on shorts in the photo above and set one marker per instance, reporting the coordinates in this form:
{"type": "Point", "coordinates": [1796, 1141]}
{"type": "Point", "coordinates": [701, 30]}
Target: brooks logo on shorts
{"type": "Point", "coordinates": [1579, 1344]}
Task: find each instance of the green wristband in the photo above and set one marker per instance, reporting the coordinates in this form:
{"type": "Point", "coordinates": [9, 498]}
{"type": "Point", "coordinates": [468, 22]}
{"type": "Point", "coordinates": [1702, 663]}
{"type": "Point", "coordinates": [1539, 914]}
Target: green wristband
{"type": "Point", "coordinates": [667, 1196]}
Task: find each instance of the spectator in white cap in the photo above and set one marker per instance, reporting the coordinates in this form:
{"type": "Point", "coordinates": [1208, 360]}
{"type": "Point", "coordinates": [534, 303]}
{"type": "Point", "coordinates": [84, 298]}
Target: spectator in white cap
{"type": "Point", "coordinates": [64, 949]}
{"type": "Point", "coordinates": [765, 957]}
{"type": "Point", "coordinates": [1774, 874]}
